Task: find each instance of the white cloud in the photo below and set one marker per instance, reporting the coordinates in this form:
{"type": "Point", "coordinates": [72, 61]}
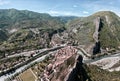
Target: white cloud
{"type": "Point", "coordinates": [3, 2]}
{"type": "Point", "coordinates": [75, 6]}
{"type": "Point", "coordinates": [85, 12]}
{"type": "Point", "coordinates": [99, 6]}
{"type": "Point", "coordinates": [62, 13]}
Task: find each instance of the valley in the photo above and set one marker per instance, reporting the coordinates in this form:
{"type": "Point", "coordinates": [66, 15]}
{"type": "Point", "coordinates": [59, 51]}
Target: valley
{"type": "Point", "coordinates": [40, 47]}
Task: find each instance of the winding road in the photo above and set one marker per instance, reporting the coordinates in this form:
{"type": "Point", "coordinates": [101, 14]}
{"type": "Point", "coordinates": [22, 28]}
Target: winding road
{"type": "Point", "coordinates": [38, 58]}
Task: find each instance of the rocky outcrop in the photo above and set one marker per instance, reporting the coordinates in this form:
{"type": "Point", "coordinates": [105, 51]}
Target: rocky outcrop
{"type": "Point", "coordinates": [66, 66]}
{"type": "Point", "coordinates": [98, 27]}
{"type": "Point", "coordinates": [61, 65]}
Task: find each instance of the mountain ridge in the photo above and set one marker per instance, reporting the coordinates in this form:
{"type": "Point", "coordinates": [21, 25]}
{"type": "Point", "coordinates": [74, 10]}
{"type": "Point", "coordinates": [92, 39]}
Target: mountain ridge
{"type": "Point", "coordinates": [73, 30]}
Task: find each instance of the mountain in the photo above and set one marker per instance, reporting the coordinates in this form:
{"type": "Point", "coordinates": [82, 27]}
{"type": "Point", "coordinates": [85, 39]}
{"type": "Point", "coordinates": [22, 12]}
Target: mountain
{"type": "Point", "coordinates": [23, 29]}
{"type": "Point", "coordinates": [97, 33]}
{"type": "Point", "coordinates": [65, 19]}
{"type": "Point", "coordinates": [25, 19]}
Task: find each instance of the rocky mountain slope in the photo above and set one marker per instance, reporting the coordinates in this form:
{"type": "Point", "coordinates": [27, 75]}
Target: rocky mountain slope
{"type": "Point", "coordinates": [98, 32]}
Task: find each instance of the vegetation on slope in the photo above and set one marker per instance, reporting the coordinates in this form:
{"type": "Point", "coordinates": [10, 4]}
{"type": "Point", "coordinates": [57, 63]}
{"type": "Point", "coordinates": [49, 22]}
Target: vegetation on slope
{"type": "Point", "coordinates": [27, 30]}
{"type": "Point", "coordinates": [85, 27]}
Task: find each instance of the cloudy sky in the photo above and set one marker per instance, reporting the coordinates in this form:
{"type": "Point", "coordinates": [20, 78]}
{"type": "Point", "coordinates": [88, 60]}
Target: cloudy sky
{"type": "Point", "coordinates": [63, 7]}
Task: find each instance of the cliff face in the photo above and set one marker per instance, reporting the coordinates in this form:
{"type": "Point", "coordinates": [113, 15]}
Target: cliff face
{"type": "Point", "coordinates": [98, 27]}
{"type": "Point", "coordinates": [61, 65]}
{"type": "Point", "coordinates": [66, 66]}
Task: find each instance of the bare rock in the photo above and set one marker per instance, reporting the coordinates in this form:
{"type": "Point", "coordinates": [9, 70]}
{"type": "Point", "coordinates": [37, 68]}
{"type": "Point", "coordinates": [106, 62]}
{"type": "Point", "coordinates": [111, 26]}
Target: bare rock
{"type": "Point", "coordinates": [62, 65]}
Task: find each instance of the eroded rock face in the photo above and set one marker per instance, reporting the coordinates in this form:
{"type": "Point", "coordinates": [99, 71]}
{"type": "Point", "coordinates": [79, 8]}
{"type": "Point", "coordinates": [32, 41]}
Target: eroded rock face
{"type": "Point", "coordinates": [63, 63]}
{"type": "Point", "coordinates": [98, 27]}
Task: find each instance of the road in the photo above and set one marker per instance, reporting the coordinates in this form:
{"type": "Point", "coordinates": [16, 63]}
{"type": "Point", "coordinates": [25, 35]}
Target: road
{"type": "Point", "coordinates": [2, 78]}
{"type": "Point", "coordinates": [39, 57]}
{"type": "Point", "coordinates": [27, 54]}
